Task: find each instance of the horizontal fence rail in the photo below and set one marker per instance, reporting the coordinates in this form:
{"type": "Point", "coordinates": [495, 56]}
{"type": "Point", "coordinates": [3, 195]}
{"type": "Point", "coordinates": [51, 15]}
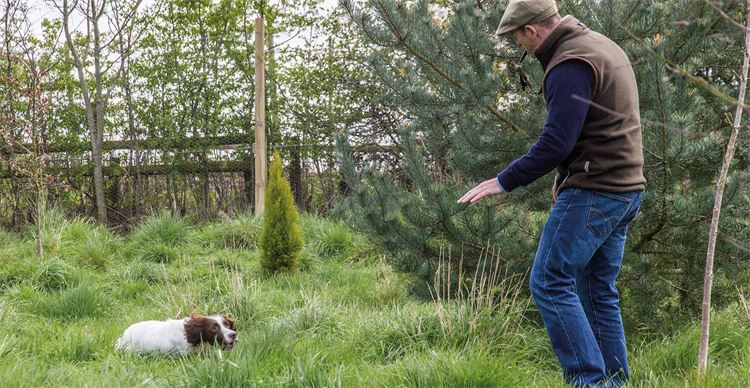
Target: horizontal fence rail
{"type": "Point", "coordinates": [188, 143]}
{"type": "Point", "coordinates": [191, 143]}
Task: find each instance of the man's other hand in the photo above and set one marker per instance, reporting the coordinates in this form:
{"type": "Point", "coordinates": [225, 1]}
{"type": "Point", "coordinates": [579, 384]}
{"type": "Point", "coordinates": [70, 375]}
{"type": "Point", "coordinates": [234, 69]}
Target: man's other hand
{"type": "Point", "coordinates": [484, 189]}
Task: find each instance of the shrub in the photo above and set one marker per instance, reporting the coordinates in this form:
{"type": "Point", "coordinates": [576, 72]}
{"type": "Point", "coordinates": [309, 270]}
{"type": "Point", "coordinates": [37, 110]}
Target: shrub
{"type": "Point", "coordinates": [280, 236]}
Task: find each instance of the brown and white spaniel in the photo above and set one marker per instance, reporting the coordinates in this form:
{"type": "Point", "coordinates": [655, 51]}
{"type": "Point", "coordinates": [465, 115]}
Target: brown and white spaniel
{"type": "Point", "coordinates": [179, 335]}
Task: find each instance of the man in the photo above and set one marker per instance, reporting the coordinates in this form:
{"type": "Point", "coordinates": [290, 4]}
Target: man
{"type": "Point", "coordinates": [592, 135]}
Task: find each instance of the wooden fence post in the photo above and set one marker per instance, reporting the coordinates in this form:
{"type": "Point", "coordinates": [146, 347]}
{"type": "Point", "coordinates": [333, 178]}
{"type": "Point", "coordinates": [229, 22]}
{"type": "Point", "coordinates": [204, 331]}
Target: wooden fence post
{"type": "Point", "coordinates": [260, 119]}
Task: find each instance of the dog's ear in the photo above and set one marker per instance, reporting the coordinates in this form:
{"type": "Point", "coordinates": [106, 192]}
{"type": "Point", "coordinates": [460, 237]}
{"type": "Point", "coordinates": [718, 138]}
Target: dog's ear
{"type": "Point", "coordinates": [194, 329]}
{"type": "Point", "coordinates": [199, 329]}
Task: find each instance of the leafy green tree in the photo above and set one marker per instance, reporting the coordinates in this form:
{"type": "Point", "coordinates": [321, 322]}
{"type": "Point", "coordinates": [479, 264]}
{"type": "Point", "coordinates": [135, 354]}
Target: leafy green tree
{"type": "Point", "coordinates": [280, 239]}
{"type": "Point", "coordinates": [194, 73]}
{"type": "Point", "coordinates": [324, 86]}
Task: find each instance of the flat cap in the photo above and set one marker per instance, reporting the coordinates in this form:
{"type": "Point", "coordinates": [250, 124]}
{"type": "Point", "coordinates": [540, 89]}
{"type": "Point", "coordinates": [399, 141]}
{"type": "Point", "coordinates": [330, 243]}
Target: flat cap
{"type": "Point", "coordinates": [523, 12]}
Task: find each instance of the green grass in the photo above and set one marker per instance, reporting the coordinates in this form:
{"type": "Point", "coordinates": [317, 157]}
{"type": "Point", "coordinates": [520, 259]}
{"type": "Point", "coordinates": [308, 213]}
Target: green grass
{"type": "Point", "coordinates": [346, 319]}
{"type": "Point", "coordinates": [237, 233]}
{"type": "Point", "coordinates": [53, 275]}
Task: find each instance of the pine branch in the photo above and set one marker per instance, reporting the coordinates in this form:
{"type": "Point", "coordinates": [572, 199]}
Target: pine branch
{"type": "Point", "coordinates": [698, 81]}
{"type": "Point", "coordinates": [403, 41]}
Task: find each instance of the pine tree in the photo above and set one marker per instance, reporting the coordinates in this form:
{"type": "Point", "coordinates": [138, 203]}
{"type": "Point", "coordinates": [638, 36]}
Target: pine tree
{"type": "Point", "coordinates": [467, 115]}
{"type": "Point", "coordinates": [280, 239]}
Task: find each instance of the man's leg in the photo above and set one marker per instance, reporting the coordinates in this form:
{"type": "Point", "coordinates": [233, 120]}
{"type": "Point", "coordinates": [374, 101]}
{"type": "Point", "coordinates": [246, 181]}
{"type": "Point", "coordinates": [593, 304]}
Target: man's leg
{"type": "Point", "coordinates": [600, 299]}
{"type": "Point", "coordinates": [565, 248]}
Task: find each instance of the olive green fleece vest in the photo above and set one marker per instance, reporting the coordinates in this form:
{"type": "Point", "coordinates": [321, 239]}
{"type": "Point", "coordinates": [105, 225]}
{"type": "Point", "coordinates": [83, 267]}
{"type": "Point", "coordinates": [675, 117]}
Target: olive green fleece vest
{"type": "Point", "coordinates": [608, 155]}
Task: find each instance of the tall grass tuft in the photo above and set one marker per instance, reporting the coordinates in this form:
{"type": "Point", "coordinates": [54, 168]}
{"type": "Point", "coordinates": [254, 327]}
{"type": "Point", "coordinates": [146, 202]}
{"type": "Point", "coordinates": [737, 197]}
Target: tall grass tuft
{"type": "Point", "coordinates": [386, 337]}
{"type": "Point", "coordinates": [240, 233]}
{"type": "Point", "coordinates": [14, 271]}
{"type": "Point", "coordinates": [241, 298]}
{"type": "Point", "coordinates": [53, 275]}
{"type": "Point", "coordinates": [157, 251]}
{"type": "Point", "coordinates": [327, 239]}
{"type": "Point", "coordinates": [96, 250]}
{"type": "Point", "coordinates": [307, 370]}
{"type": "Point", "coordinates": [51, 225]}
{"type": "Point", "coordinates": [77, 231]}
{"type": "Point", "coordinates": [489, 302]}
{"type": "Point", "coordinates": [159, 238]}
{"type": "Point", "coordinates": [147, 272]}
{"type": "Point", "coordinates": [456, 368]}
{"type": "Point", "coordinates": [311, 316]}
{"type": "Point", "coordinates": [74, 303]}
{"type": "Point", "coordinates": [729, 345]}
{"type": "Point", "coordinates": [164, 228]}
{"type": "Point", "coordinates": [78, 344]}
{"type": "Point", "coordinates": [335, 240]}
{"type": "Point", "coordinates": [743, 305]}
{"type": "Point", "coordinates": [253, 363]}
{"type": "Point", "coordinates": [6, 238]}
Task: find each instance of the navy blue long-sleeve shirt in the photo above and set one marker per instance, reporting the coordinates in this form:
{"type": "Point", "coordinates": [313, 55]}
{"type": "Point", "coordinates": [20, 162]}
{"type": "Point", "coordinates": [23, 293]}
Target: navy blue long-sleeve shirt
{"type": "Point", "coordinates": [565, 118]}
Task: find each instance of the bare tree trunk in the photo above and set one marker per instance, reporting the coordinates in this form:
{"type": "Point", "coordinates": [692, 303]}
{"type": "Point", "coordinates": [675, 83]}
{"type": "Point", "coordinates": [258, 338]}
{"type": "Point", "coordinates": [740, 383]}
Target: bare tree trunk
{"type": "Point", "coordinates": [100, 105]}
{"type": "Point", "coordinates": [248, 177]}
{"type": "Point", "coordinates": [208, 125]}
{"type": "Point", "coordinates": [38, 169]}
{"type": "Point", "coordinates": [713, 231]}
{"type": "Point", "coordinates": [125, 43]}
{"type": "Point", "coordinates": [95, 110]}
{"type": "Point", "coordinates": [11, 7]}
{"type": "Point", "coordinates": [295, 176]}
{"type": "Point", "coordinates": [171, 193]}
{"type": "Point", "coordinates": [25, 90]}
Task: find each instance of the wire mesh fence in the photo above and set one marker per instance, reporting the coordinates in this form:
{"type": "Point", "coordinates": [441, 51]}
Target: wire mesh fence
{"type": "Point", "coordinates": [139, 178]}
{"type": "Point", "coordinates": [198, 177]}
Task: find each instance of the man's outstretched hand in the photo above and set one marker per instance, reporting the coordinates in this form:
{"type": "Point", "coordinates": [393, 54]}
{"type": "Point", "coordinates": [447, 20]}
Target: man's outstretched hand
{"type": "Point", "coordinates": [484, 189]}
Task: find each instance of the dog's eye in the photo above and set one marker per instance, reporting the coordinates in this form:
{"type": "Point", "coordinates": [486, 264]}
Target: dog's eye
{"type": "Point", "coordinates": [215, 327]}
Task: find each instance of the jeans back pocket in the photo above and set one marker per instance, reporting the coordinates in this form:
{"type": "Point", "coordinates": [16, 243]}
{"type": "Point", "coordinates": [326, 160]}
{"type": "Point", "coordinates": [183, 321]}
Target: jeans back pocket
{"type": "Point", "coordinates": [606, 211]}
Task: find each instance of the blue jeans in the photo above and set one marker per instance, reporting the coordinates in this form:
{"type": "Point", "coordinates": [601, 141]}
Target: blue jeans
{"type": "Point", "coordinates": [573, 283]}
